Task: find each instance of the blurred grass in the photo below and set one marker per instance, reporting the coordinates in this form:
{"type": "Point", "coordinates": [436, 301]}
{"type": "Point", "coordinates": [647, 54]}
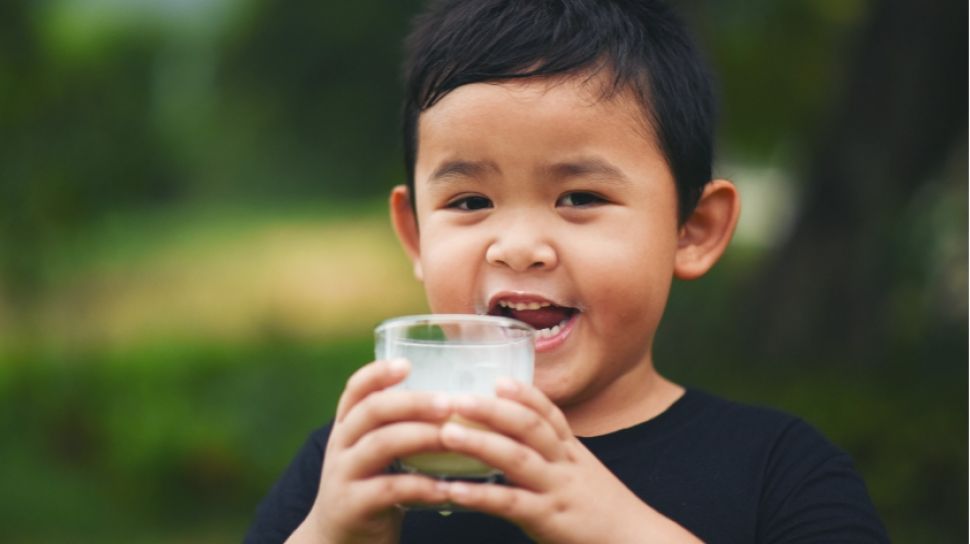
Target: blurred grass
{"type": "Point", "coordinates": [135, 410]}
{"type": "Point", "coordinates": [227, 274]}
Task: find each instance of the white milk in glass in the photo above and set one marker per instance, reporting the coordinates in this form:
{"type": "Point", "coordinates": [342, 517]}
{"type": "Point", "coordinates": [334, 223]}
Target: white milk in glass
{"type": "Point", "coordinates": [469, 361]}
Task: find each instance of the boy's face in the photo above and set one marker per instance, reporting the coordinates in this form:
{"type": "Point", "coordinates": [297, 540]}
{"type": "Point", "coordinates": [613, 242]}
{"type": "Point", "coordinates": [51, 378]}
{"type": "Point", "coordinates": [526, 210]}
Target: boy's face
{"type": "Point", "coordinates": [538, 200]}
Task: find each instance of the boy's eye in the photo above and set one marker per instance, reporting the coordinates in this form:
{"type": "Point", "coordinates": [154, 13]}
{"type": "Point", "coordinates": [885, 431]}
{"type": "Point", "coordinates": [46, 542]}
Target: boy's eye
{"type": "Point", "coordinates": [579, 200]}
{"type": "Point", "coordinates": [470, 203]}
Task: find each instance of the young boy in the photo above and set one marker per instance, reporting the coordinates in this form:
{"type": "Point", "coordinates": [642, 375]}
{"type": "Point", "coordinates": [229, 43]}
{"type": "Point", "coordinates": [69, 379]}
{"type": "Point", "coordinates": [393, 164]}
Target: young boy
{"type": "Point", "coordinates": [559, 172]}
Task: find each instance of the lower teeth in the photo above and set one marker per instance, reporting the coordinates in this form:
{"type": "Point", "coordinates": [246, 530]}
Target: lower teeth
{"type": "Point", "coordinates": [551, 331]}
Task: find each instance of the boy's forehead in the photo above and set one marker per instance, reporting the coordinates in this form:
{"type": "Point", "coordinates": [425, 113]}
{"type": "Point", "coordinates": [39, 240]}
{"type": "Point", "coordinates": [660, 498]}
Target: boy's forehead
{"type": "Point", "coordinates": [588, 89]}
{"type": "Point", "coordinates": [565, 102]}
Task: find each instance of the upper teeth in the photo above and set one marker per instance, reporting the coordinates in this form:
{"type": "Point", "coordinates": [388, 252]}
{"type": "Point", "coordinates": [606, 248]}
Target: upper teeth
{"type": "Point", "coordinates": [519, 306]}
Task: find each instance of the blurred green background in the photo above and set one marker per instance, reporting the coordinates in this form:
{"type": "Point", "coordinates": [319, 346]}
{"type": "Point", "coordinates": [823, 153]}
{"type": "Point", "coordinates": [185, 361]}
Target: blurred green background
{"type": "Point", "coordinates": [194, 247]}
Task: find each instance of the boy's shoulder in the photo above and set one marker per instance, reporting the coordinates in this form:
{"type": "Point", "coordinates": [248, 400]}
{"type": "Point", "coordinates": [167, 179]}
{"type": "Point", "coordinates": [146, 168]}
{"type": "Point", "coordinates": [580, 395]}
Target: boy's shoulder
{"type": "Point", "coordinates": [750, 431]}
{"type": "Point", "coordinates": [701, 414]}
{"type": "Point", "coordinates": [739, 472]}
{"type": "Point", "coordinates": [707, 409]}
{"type": "Point", "coordinates": [704, 434]}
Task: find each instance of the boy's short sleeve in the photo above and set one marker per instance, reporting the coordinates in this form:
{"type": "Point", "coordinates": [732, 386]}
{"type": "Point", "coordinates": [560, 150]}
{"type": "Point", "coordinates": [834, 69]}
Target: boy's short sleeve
{"type": "Point", "coordinates": [814, 494]}
{"type": "Point", "coordinates": [288, 502]}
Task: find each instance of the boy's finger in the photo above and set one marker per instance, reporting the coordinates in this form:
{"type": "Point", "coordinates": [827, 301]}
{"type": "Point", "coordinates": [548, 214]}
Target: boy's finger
{"type": "Point", "coordinates": [533, 398]}
{"type": "Point", "coordinates": [388, 406]}
{"type": "Point", "coordinates": [514, 504]}
{"type": "Point", "coordinates": [521, 464]}
{"type": "Point", "coordinates": [515, 420]}
{"type": "Point", "coordinates": [385, 491]}
{"type": "Point", "coordinates": [376, 450]}
{"type": "Point", "coordinates": [369, 378]}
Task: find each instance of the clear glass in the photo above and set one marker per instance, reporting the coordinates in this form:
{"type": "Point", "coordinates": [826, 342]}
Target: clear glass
{"type": "Point", "coordinates": [459, 354]}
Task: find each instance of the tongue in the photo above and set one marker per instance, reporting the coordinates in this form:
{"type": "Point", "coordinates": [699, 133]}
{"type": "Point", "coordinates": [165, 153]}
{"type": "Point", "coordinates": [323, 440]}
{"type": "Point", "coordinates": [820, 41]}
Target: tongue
{"type": "Point", "coordinates": [542, 318]}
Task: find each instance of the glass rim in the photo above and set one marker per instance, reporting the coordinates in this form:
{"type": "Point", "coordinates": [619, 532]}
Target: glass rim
{"type": "Point", "coordinates": [437, 319]}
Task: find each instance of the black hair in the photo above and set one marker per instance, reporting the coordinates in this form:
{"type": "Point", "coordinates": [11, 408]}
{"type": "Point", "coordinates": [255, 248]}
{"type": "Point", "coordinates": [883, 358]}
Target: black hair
{"type": "Point", "coordinates": [645, 47]}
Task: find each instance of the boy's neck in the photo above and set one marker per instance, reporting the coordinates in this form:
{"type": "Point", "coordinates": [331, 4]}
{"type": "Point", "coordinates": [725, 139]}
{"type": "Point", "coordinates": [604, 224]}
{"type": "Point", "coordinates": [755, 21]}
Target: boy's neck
{"type": "Point", "coordinates": [638, 396]}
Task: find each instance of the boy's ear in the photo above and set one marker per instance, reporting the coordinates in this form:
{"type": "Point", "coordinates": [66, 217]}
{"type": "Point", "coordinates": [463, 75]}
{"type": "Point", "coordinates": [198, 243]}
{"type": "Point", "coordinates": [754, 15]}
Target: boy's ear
{"type": "Point", "coordinates": [406, 227]}
{"type": "Point", "coordinates": [706, 233]}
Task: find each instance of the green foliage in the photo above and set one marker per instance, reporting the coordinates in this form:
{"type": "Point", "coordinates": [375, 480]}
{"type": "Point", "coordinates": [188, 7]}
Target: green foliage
{"type": "Point", "coordinates": [161, 439]}
{"type": "Point", "coordinates": [778, 65]}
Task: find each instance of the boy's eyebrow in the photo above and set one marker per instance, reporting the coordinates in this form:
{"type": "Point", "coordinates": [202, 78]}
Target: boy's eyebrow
{"type": "Point", "coordinates": [583, 167]}
{"type": "Point", "coordinates": [587, 167]}
{"type": "Point", "coordinates": [462, 168]}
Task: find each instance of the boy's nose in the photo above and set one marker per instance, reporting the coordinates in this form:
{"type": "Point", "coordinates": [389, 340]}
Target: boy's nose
{"type": "Point", "coordinates": [521, 250]}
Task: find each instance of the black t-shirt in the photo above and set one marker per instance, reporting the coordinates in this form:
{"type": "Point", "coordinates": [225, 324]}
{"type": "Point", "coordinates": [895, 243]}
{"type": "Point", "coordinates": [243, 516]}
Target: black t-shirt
{"type": "Point", "coordinates": [725, 471]}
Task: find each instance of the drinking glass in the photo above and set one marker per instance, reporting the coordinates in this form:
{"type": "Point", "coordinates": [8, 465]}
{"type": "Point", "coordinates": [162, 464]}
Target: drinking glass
{"type": "Point", "coordinates": [456, 354]}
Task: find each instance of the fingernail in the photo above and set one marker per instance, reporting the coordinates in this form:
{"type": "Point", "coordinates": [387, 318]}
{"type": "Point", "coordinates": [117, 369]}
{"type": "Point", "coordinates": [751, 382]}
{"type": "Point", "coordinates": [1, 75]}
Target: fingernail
{"type": "Point", "coordinates": [453, 432]}
{"type": "Point", "coordinates": [398, 366]}
{"type": "Point", "coordinates": [506, 386]}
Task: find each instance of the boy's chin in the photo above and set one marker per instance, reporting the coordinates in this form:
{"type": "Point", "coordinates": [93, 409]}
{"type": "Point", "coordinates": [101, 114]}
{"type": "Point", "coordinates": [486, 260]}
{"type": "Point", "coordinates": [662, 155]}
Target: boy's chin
{"type": "Point", "coordinates": [556, 390]}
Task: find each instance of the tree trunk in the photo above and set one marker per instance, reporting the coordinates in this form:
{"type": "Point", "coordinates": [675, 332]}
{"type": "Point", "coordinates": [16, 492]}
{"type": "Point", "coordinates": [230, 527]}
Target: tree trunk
{"type": "Point", "coordinates": [828, 289]}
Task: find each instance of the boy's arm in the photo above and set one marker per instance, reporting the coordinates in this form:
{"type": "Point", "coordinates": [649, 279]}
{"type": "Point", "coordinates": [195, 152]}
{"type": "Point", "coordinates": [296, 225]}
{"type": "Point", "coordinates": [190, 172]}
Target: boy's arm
{"type": "Point", "coordinates": [561, 492]}
{"type": "Point", "coordinates": [286, 504]}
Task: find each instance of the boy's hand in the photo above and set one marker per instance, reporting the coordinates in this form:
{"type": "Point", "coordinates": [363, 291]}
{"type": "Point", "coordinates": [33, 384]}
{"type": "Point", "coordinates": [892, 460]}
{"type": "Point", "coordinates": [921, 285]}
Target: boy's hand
{"type": "Point", "coordinates": [357, 501]}
{"type": "Point", "coordinates": [560, 492]}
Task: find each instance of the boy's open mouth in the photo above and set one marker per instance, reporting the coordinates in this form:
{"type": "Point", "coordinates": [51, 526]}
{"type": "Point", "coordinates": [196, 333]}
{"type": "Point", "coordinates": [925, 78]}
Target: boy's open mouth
{"type": "Point", "coordinates": [546, 318]}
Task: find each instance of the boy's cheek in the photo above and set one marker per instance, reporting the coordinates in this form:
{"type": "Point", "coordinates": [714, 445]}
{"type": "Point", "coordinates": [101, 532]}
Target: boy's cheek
{"type": "Point", "coordinates": [444, 298]}
{"type": "Point", "coordinates": [450, 278]}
